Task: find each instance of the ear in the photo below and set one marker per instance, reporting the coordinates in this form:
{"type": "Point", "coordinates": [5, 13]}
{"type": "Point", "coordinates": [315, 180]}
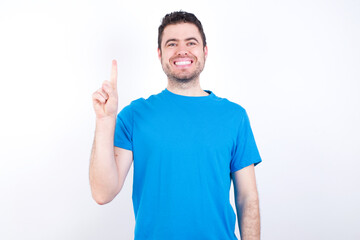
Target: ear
{"type": "Point", "coordinates": [205, 51]}
{"type": "Point", "coordinates": [159, 53]}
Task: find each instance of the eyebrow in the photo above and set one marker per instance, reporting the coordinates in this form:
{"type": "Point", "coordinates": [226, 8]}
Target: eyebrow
{"type": "Point", "coordinates": [192, 38]}
{"type": "Point", "coordinates": [176, 40]}
{"type": "Point", "coordinates": [171, 40]}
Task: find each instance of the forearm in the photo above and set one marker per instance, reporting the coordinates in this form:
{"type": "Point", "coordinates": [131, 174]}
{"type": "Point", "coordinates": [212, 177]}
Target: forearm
{"type": "Point", "coordinates": [103, 170]}
{"type": "Point", "coordinates": [249, 219]}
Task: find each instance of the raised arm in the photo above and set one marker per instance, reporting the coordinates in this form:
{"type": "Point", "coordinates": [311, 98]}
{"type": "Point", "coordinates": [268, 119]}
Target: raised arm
{"type": "Point", "coordinates": [247, 203]}
{"type": "Point", "coordinates": [109, 165]}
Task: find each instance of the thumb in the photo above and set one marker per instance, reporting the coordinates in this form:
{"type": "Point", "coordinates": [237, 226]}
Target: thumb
{"type": "Point", "coordinates": [112, 101]}
{"type": "Point", "coordinates": [107, 87]}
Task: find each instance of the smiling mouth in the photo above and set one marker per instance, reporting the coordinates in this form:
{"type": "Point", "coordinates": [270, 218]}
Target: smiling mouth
{"type": "Point", "coordinates": [182, 63]}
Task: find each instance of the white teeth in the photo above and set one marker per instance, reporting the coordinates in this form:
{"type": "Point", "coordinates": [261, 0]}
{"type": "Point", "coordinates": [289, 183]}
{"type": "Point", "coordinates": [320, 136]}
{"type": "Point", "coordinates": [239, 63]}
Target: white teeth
{"type": "Point", "coordinates": [183, 63]}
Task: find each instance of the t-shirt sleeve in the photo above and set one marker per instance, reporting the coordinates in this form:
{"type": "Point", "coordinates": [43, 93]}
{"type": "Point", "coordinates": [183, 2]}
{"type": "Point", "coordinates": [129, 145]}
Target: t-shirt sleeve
{"type": "Point", "coordinates": [245, 151]}
{"type": "Point", "coordinates": [124, 128]}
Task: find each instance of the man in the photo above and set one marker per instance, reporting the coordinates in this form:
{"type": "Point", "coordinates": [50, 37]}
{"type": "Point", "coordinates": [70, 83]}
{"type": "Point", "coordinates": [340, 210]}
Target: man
{"type": "Point", "coordinates": [186, 143]}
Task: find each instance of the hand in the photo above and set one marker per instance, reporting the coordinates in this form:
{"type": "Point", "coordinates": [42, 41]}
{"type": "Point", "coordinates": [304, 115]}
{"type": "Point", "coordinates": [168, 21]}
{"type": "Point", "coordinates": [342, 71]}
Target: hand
{"type": "Point", "coordinates": [105, 99]}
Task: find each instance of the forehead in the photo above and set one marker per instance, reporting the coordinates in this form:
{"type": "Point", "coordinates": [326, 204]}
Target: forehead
{"type": "Point", "coordinates": [181, 31]}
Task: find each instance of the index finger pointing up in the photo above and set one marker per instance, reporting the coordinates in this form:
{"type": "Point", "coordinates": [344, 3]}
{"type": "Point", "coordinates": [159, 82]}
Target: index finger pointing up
{"type": "Point", "coordinates": [113, 77]}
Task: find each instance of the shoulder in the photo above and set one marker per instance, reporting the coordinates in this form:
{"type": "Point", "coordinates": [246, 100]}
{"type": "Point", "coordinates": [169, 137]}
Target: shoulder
{"type": "Point", "coordinates": [233, 107]}
{"type": "Point", "coordinates": [140, 103]}
{"type": "Point", "coordinates": [137, 103]}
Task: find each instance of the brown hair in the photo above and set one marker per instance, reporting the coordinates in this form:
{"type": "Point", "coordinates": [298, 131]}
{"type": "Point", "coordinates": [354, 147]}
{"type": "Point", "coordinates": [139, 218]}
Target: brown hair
{"type": "Point", "coordinates": [180, 17]}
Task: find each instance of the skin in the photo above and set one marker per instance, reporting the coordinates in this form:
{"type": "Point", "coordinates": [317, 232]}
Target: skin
{"type": "Point", "coordinates": [247, 203]}
{"type": "Point", "coordinates": [110, 165]}
{"type": "Point", "coordinates": [183, 42]}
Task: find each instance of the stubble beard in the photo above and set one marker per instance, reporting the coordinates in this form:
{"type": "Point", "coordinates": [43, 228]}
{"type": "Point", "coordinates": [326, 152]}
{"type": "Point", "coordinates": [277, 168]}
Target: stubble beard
{"type": "Point", "coordinates": [183, 78]}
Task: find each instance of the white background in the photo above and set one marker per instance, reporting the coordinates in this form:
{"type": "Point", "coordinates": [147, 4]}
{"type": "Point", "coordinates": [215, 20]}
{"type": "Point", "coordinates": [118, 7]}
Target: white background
{"type": "Point", "coordinates": [293, 65]}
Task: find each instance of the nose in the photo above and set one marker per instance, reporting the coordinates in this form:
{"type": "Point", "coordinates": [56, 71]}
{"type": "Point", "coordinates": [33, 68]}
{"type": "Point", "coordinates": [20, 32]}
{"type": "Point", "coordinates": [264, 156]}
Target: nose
{"type": "Point", "coordinates": [182, 53]}
{"type": "Point", "coordinates": [182, 50]}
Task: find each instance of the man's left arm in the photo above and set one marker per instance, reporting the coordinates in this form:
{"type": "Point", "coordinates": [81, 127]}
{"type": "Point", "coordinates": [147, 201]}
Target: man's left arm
{"type": "Point", "coordinates": [247, 203]}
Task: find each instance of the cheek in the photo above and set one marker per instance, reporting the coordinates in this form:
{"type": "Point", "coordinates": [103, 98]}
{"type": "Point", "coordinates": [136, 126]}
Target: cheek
{"type": "Point", "coordinates": [167, 57]}
{"type": "Point", "coordinates": [198, 53]}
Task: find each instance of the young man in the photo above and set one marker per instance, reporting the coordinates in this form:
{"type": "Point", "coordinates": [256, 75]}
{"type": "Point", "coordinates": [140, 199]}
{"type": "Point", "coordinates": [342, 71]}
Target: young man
{"type": "Point", "coordinates": [186, 143]}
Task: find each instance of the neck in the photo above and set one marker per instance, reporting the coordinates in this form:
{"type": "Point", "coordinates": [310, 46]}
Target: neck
{"type": "Point", "coordinates": [191, 88]}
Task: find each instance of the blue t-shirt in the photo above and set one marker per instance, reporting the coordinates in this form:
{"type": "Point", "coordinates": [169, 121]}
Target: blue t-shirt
{"type": "Point", "coordinates": [184, 150]}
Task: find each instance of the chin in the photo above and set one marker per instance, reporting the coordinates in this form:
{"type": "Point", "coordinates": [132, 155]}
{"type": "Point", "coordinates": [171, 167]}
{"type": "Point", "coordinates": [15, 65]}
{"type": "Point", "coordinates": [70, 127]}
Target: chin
{"type": "Point", "coordinates": [183, 78]}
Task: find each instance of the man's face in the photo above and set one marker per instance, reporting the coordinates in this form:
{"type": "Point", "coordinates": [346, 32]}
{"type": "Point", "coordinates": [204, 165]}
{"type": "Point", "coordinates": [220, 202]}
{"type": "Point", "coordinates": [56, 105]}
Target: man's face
{"type": "Point", "coordinates": [182, 54]}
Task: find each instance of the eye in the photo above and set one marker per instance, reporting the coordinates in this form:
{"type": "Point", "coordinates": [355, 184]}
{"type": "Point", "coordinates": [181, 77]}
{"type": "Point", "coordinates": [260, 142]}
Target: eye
{"type": "Point", "coordinates": [191, 43]}
{"type": "Point", "coordinates": [171, 45]}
